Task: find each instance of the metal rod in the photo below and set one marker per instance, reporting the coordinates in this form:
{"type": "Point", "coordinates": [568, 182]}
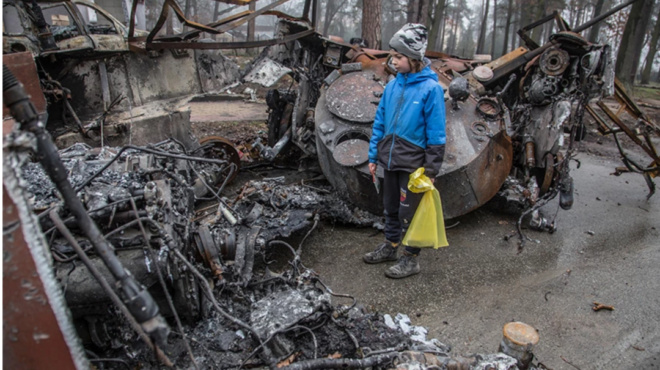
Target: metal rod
{"type": "Point", "coordinates": [590, 23]}
{"type": "Point", "coordinates": [131, 26]}
{"type": "Point", "coordinates": [150, 151]}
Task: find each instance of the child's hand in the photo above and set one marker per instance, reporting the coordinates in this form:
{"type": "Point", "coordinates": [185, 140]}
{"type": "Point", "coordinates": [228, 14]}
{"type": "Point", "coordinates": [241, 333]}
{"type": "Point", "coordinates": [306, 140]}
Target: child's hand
{"type": "Point", "coordinates": [372, 169]}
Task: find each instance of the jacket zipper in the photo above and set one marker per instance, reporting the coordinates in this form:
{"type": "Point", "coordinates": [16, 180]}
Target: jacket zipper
{"type": "Point", "coordinates": [396, 120]}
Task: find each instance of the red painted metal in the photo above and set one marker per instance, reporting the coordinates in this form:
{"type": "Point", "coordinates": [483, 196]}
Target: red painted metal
{"type": "Point", "coordinates": [32, 336]}
{"type": "Point", "coordinates": [25, 70]}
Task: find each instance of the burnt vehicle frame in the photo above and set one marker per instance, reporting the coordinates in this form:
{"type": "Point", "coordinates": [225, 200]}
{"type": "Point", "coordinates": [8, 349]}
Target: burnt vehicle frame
{"type": "Point", "coordinates": [512, 144]}
{"type": "Point", "coordinates": [213, 246]}
{"type": "Point", "coordinates": [132, 211]}
{"type": "Point", "coordinates": [125, 205]}
{"type": "Point", "coordinates": [74, 33]}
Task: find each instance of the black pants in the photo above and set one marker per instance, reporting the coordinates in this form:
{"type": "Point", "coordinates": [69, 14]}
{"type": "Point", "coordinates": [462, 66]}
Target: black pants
{"type": "Point", "coordinates": [400, 206]}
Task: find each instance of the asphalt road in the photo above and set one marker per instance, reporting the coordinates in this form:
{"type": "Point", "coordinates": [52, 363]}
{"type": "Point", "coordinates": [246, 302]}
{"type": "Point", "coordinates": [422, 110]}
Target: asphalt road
{"type": "Point", "coordinates": [606, 250]}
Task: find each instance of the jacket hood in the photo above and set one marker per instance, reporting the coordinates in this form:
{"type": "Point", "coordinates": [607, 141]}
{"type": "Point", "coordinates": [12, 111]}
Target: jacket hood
{"type": "Point", "coordinates": [425, 74]}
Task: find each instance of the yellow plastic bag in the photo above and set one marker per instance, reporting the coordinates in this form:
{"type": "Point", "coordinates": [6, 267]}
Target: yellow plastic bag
{"type": "Point", "coordinates": [427, 228]}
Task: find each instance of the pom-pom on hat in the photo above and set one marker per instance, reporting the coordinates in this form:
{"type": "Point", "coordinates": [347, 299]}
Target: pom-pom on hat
{"type": "Point", "coordinates": [411, 40]}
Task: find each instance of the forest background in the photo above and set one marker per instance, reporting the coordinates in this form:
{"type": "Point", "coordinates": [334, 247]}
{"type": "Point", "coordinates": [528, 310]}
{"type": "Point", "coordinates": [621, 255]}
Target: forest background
{"type": "Point", "coordinates": [463, 28]}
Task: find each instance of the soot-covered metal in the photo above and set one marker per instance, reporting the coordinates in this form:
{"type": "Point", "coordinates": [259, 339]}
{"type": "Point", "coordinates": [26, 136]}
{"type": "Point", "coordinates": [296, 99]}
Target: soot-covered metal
{"type": "Point", "coordinates": [150, 278]}
{"type": "Point", "coordinates": [199, 280]}
{"type": "Point", "coordinates": [512, 123]}
{"type": "Point", "coordinates": [206, 260]}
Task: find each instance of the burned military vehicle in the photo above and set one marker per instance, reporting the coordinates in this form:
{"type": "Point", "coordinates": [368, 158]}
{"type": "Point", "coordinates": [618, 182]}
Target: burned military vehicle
{"type": "Point", "coordinates": [133, 257]}
{"type": "Point", "coordinates": [100, 88]}
{"type": "Point", "coordinates": [131, 241]}
{"type": "Point", "coordinates": [137, 216]}
{"type": "Point", "coordinates": [512, 123]}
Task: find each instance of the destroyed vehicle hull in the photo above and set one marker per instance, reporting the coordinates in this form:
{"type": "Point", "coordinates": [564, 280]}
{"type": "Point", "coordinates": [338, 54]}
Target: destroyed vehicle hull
{"type": "Point", "coordinates": [478, 154]}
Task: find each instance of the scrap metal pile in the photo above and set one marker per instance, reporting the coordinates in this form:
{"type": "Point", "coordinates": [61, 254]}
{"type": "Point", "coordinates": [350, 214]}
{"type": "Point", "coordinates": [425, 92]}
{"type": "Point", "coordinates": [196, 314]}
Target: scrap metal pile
{"type": "Point", "coordinates": [147, 276]}
{"type": "Point", "coordinates": [512, 123]}
{"type": "Point", "coordinates": [209, 267]}
{"type": "Point", "coordinates": [159, 265]}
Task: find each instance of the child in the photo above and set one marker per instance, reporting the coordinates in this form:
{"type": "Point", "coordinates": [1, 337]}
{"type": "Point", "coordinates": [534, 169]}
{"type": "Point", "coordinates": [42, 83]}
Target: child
{"type": "Point", "coordinates": [408, 133]}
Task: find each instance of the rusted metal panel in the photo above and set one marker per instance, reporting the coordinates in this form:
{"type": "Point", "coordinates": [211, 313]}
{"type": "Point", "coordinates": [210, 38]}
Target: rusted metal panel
{"type": "Point", "coordinates": [12, 44]}
{"type": "Point", "coordinates": [29, 323]}
{"type": "Point", "coordinates": [23, 67]}
{"type": "Point", "coordinates": [506, 58]}
{"type": "Point", "coordinates": [110, 43]}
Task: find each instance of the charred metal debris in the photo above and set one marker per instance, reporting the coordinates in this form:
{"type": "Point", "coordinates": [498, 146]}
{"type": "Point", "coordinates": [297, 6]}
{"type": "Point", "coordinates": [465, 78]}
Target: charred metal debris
{"type": "Point", "coordinates": [157, 268]}
{"type": "Point", "coordinates": [512, 124]}
{"type": "Point", "coordinates": [207, 270]}
{"type": "Point", "coordinates": [202, 291]}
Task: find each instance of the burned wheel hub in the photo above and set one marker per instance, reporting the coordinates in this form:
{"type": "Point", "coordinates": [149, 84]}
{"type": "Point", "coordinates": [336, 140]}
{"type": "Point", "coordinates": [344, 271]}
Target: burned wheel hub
{"type": "Point", "coordinates": [488, 108]}
{"type": "Point", "coordinates": [554, 62]}
{"type": "Point", "coordinates": [217, 147]}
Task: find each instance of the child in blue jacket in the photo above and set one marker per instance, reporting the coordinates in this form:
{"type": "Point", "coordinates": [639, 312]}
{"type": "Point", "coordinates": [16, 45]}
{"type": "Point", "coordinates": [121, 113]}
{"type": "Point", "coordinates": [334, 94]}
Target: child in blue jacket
{"type": "Point", "coordinates": [408, 133]}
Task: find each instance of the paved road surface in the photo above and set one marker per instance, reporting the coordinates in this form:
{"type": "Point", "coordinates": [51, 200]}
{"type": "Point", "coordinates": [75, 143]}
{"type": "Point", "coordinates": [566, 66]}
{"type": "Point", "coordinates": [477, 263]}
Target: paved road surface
{"type": "Point", "coordinates": [469, 290]}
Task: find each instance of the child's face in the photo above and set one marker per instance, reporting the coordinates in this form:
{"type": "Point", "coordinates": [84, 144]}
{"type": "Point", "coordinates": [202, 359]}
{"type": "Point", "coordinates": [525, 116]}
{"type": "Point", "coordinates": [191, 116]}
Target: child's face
{"type": "Point", "coordinates": [400, 62]}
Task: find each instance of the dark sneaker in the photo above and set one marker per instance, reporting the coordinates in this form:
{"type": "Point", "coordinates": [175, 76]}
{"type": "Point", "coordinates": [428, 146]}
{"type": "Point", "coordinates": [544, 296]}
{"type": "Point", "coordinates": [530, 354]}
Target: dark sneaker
{"type": "Point", "coordinates": [383, 253]}
{"type": "Point", "coordinates": [406, 266]}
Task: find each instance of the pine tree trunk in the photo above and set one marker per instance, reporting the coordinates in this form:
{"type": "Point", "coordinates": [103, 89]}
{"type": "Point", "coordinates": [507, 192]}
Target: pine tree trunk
{"type": "Point", "coordinates": [423, 12]}
{"type": "Point", "coordinates": [186, 13]}
{"type": "Point", "coordinates": [538, 14]}
{"type": "Point", "coordinates": [525, 16]}
{"type": "Point", "coordinates": [630, 49]}
{"type": "Point", "coordinates": [494, 38]}
{"type": "Point", "coordinates": [437, 24]}
{"type": "Point", "coordinates": [326, 17]}
{"type": "Point", "coordinates": [417, 11]}
{"type": "Point", "coordinates": [653, 49]}
{"type": "Point", "coordinates": [389, 23]}
{"type": "Point", "coordinates": [371, 23]}
{"type": "Point", "coordinates": [442, 31]}
{"type": "Point", "coordinates": [578, 18]}
{"type": "Point", "coordinates": [411, 11]}
{"type": "Point", "coordinates": [482, 32]}
{"type": "Point", "coordinates": [331, 10]}
{"type": "Point", "coordinates": [505, 46]}
{"type": "Point", "coordinates": [251, 24]}
{"type": "Point", "coordinates": [517, 24]}
{"type": "Point", "coordinates": [454, 31]}
{"type": "Point", "coordinates": [595, 29]}
{"type": "Point", "coordinates": [251, 27]}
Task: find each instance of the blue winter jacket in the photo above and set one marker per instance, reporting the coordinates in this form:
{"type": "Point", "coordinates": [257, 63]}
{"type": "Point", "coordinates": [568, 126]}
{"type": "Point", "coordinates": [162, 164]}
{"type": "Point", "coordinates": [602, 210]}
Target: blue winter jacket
{"type": "Point", "coordinates": [409, 128]}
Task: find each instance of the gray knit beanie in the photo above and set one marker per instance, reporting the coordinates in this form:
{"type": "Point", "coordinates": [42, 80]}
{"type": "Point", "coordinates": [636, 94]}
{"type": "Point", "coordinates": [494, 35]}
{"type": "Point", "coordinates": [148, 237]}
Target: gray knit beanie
{"type": "Point", "coordinates": [411, 41]}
